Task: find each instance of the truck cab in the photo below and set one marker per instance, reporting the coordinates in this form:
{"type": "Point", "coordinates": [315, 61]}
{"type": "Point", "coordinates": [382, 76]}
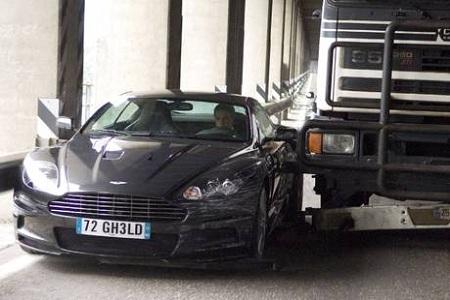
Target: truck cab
{"type": "Point", "coordinates": [383, 99]}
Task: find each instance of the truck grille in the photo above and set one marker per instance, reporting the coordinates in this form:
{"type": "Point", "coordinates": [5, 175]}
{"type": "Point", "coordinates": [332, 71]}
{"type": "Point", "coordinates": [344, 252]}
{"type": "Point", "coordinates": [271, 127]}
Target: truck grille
{"type": "Point", "coordinates": [414, 58]}
{"type": "Point", "coordinates": [436, 60]}
{"type": "Point", "coordinates": [126, 207]}
{"type": "Point", "coordinates": [398, 86]}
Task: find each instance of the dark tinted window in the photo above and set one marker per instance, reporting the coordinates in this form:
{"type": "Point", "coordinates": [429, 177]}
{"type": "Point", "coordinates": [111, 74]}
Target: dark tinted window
{"type": "Point", "coordinates": [181, 118]}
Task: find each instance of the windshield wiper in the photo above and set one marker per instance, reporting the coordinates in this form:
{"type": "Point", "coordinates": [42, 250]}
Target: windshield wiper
{"type": "Point", "coordinates": [108, 131]}
{"type": "Point", "coordinates": [141, 133]}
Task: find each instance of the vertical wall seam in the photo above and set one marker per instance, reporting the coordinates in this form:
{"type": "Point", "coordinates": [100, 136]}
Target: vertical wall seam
{"type": "Point", "coordinates": [174, 44]}
{"type": "Point", "coordinates": [70, 59]}
{"type": "Point", "coordinates": [235, 46]}
{"type": "Point", "coordinates": [268, 49]}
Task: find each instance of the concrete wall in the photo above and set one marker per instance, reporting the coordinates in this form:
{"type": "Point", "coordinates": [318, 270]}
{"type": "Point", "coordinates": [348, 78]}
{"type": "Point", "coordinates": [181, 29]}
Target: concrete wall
{"type": "Point", "coordinates": [125, 47]}
{"type": "Point", "coordinates": [28, 60]}
{"type": "Point", "coordinates": [256, 13]}
{"type": "Point", "coordinates": [301, 54]}
{"type": "Point", "coordinates": [286, 61]}
{"type": "Point", "coordinates": [204, 44]}
{"type": "Point", "coordinates": [276, 45]}
{"type": "Point", "coordinates": [287, 39]}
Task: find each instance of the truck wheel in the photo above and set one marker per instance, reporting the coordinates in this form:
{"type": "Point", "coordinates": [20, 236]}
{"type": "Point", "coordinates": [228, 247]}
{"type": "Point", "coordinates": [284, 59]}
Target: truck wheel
{"type": "Point", "coordinates": [260, 231]}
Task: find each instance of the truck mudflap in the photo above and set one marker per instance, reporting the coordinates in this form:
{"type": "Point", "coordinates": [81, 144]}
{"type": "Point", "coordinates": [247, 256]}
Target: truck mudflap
{"type": "Point", "coordinates": [369, 218]}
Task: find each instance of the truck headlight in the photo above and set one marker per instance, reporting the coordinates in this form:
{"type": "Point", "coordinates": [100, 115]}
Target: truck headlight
{"type": "Point", "coordinates": [338, 143]}
{"type": "Point", "coordinates": [331, 143]}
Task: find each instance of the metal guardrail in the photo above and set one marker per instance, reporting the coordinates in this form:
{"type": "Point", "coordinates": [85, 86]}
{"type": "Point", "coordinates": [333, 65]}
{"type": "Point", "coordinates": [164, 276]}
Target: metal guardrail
{"type": "Point", "coordinates": [9, 169]}
{"type": "Point", "coordinates": [279, 106]}
{"type": "Point", "coordinates": [296, 83]}
{"type": "Point", "coordinates": [292, 87]}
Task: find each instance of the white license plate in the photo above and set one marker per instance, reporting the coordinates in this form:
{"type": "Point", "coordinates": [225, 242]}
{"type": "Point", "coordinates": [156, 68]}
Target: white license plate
{"type": "Point", "coordinates": [117, 229]}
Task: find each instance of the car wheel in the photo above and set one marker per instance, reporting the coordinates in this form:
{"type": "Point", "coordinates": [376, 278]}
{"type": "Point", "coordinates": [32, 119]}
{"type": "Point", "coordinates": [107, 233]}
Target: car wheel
{"type": "Point", "coordinates": [260, 226]}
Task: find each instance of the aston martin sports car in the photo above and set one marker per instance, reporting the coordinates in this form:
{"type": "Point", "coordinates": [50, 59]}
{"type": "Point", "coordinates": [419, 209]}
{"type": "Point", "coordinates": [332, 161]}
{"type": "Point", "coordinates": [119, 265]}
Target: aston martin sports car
{"type": "Point", "coordinates": [160, 177]}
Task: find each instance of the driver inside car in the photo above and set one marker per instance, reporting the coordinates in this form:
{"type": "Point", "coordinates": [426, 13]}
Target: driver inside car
{"type": "Point", "coordinates": [224, 116]}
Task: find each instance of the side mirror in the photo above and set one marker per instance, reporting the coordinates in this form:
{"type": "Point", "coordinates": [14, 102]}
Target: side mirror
{"type": "Point", "coordinates": [64, 123]}
{"type": "Point", "coordinates": [316, 14]}
{"type": "Point", "coordinates": [284, 134]}
{"type": "Point", "coordinates": [310, 95]}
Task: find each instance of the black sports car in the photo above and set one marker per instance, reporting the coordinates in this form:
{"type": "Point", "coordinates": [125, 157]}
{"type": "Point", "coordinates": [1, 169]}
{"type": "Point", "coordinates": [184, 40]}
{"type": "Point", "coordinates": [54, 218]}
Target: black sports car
{"type": "Point", "coordinates": [159, 177]}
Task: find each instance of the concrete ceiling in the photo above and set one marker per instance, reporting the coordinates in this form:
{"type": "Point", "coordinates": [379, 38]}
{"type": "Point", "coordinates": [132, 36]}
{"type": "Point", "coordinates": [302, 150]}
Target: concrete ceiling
{"type": "Point", "coordinates": [312, 25]}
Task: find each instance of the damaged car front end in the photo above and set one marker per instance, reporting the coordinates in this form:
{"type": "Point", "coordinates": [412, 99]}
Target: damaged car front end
{"type": "Point", "coordinates": [123, 196]}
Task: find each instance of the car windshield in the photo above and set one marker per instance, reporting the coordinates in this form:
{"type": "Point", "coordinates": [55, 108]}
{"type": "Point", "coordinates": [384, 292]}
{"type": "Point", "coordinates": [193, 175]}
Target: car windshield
{"type": "Point", "coordinates": [178, 118]}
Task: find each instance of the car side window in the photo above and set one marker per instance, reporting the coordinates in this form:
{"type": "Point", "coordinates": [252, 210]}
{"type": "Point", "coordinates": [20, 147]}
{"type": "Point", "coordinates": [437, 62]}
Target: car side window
{"type": "Point", "coordinates": [263, 122]}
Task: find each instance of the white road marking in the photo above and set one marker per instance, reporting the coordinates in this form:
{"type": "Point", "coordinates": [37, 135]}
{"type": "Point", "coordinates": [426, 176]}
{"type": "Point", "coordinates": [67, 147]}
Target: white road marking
{"type": "Point", "coordinates": [17, 264]}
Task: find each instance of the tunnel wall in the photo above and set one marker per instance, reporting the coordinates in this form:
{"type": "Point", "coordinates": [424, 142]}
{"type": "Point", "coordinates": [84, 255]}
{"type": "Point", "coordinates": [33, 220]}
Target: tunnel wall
{"type": "Point", "coordinates": [124, 60]}
{"type": "Point", "coordinates": [276, 47]}
{"type": "Point", "coordinates": [126, 47]}
{"type": "Point", "coordinates": [255, 38]}
{"type": "Point", "coordinates": [204, 47]}
{"type": "Point", "coordinates": [28, 60]}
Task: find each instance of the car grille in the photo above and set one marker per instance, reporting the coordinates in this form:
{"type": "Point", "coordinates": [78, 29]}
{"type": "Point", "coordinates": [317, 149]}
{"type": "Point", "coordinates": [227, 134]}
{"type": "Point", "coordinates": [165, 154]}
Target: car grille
{"type": "Point", "coordinates": [117, 206]}
{"type": "Point", "coordinates": [159, 245]}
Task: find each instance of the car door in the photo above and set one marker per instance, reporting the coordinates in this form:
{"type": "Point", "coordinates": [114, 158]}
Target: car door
{"type": "Point", "coordinates": [273, 154]}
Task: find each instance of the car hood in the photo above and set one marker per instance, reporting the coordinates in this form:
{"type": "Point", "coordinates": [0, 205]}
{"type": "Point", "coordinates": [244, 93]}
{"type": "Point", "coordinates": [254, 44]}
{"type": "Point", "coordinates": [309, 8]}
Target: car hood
{"type": "Point", "coordinates": [137, 165]}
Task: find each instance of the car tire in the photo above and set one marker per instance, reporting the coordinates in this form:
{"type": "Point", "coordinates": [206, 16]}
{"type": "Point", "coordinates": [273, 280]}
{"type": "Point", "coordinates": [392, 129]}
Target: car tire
{"type": "Point", "coordinates": [260, 232]}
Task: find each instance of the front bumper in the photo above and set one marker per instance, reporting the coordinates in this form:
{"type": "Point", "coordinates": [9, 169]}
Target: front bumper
{"type": "Point", "coordinates": [194, 239]}
{"type": "Point", "coordinates": [402, 161]}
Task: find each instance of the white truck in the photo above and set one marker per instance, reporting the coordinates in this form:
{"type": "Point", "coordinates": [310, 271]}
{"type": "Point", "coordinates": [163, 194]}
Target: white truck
{"type": "Point", "coordinates": [383, 122]}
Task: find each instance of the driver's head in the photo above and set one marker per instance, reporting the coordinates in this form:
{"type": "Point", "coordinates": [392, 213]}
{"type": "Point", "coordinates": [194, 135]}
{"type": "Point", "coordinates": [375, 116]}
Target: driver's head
{"type": "Point", "coordinates": [224, 115]}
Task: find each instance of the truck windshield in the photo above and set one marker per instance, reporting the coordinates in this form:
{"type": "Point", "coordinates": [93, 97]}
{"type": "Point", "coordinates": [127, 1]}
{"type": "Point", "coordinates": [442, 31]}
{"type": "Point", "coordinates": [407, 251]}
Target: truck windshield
{"type": "Point", "coordinates": [391, 1]}
{"type": "Point", "coordinates": [422, 4]}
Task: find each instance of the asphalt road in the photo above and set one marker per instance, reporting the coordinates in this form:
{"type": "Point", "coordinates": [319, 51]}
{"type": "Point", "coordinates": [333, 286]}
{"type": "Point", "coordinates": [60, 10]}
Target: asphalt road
{"type": "Point", "coordinates": [376, 265]}
{"type": "Point", "coordinates": [373, 265]}
{"type": "Point", "coordinates": [408, 265]}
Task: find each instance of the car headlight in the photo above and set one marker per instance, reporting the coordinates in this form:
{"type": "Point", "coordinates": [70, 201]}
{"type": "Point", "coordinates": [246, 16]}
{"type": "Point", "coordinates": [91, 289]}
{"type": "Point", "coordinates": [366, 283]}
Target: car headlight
{"type": "Point", "coordinates": [212, 188]}
{"type": "Point", "coordinates": [40, 175]}
{"type": "Point", "coordinates": [331, 143]}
